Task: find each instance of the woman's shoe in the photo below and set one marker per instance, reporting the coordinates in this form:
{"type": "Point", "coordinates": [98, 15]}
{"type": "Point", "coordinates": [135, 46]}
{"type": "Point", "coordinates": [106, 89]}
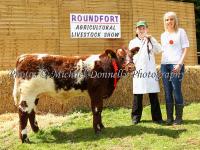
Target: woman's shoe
{"type": "Point", "coordinates": [179, 114]}
{"type": "Point", "coordinates": [170, 110]}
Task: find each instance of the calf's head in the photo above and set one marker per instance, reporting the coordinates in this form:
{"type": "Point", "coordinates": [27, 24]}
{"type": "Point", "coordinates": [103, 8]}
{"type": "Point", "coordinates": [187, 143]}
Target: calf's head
{"type": "Point", "coordinates": [125, 58]}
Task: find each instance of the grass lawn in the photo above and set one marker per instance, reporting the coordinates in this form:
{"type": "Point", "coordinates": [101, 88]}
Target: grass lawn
{"type": "Point", "coordinates": [74, 131]}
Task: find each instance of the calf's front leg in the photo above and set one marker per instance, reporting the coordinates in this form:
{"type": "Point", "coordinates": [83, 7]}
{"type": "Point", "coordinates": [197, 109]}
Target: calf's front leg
{"type": "Point", "coordinates": [97, 106]}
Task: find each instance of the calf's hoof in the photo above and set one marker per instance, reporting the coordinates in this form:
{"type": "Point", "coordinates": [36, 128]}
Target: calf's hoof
{"type": "Point", "coordinates": [102, 126]}
{"type": "Point", "coordinates": [25, 139]}
{"type": "Point", "coordinates": [97, 132]}
{"type": "Point", "coordinates": [36, 129]}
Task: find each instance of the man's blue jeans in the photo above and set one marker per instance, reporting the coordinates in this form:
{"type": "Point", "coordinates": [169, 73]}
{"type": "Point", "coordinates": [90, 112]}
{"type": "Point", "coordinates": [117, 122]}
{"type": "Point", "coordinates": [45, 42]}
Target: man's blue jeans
{"type": "Point", "coordinates": [172, 83]}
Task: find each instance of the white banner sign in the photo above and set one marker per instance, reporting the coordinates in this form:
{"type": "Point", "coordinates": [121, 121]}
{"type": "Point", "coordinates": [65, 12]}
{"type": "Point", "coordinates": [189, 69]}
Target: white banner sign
{"type": "Point", "coordinates": [95, 26]}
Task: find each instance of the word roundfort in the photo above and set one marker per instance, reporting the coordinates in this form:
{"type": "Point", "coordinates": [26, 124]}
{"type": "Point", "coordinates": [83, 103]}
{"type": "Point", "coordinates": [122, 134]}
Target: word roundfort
{"type": "Point", "coordinates": [95, 18]}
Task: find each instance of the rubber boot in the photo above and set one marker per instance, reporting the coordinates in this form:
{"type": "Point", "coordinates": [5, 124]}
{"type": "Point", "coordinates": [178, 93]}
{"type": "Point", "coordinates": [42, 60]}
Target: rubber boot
{"type": "Point", "coordinates": [170, 110]}
{"type": "Point", "coordinates": [179, 114]}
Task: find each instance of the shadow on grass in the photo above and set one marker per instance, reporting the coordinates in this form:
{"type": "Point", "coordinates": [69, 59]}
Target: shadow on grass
{"type": "Point", "coordinates": [191, 122]}
{"type": "Point", "coordinates": [185, 122]}
{"type": "Point", "coordinates": [87, 134]}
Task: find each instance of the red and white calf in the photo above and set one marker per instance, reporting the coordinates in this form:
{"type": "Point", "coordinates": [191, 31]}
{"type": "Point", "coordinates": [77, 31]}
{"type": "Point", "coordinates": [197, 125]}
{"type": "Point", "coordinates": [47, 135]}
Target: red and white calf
{"type": "Point", "coordinates": [42, 73]}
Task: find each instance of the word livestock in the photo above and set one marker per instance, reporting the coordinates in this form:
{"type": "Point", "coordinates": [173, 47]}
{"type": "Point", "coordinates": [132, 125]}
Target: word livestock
{"type": "Point", "coordinates": [95, 26]}
{"type": "Point", "coordinates": [94, 34]}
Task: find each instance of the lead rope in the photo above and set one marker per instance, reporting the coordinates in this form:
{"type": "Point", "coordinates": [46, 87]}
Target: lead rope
{"type": "Point", "coordinates": [148, 50]}
{"type": "Point", "coordinates": [115, 72]}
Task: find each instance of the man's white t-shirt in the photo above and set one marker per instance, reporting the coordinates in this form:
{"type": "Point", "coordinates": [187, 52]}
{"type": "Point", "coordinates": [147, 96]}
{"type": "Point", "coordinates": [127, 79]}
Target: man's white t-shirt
{"type": "Point", "coordinates": [173, 45]}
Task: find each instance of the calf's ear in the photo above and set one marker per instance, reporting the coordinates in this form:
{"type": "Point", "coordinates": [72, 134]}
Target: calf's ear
{"type": "Point", "coordinates": [110, 53]}
{"type": "Point", "coordinates": [121, 52]}
{"type": "Point", "coordinates": [134, 50]}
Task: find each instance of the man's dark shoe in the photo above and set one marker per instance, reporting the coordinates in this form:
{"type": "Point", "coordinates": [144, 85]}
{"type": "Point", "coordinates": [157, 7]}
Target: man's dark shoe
{"type": "Point", "coordinates": [135, 119]}
{"type": "Point", "coordinates": [169, 122]}
{"type": "Point", "coordinates": [158, 121]}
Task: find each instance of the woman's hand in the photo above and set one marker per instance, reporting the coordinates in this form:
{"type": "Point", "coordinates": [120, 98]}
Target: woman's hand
{"type": "Point", "coordinates": [177, 68]}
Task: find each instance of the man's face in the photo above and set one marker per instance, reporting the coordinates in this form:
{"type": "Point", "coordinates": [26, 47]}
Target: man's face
{"type": "Point", "coordinates": [141, 31]}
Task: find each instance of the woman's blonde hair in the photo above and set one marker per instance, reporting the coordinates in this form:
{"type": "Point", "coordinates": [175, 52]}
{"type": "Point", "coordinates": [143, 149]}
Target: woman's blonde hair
{"type": "Point", "coordinates": [171, 14]}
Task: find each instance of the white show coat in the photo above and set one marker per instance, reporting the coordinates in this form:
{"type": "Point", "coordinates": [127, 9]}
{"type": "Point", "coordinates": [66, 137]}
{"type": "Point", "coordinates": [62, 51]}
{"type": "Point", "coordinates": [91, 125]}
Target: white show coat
{"type": "Point", "coordinates": [145, 78]}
